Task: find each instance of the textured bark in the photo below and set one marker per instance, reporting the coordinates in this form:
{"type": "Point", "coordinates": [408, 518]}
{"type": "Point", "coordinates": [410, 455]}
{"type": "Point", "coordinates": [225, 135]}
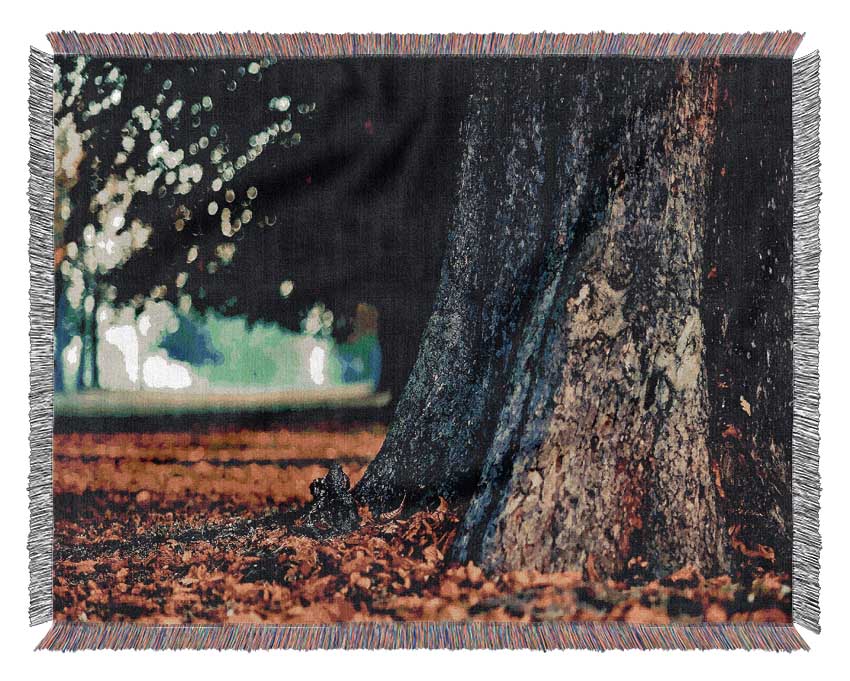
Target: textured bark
{"type": "Point", "coordinates": [436, 442]}
{"type": "Point", "coordinates": [561, 389]}
{"type": "Point", "coordinates": [747, 311]}
{"type": "Point", "coordinates": [621, 470]}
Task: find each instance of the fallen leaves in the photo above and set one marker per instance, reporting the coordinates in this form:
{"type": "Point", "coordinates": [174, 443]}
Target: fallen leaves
{"type": "Point", "coordinates": [234, 565]}
{"type": "Point", "coordinates": [251, 467]}
{"type": "Point", "coordinates": [221, 547]}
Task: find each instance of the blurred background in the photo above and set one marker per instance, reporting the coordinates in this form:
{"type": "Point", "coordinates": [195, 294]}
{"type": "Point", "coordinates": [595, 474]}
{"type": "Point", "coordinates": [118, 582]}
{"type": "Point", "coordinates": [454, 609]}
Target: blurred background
{"type": "Point", "coordinates": [246, 255]}
{"type": "Point", "coordinates": [246, 235]}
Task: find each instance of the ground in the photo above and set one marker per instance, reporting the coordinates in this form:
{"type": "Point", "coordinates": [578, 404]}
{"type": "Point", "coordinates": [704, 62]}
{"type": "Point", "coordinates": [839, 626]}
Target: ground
{"type": "Point", "coordinates": [181, 527]}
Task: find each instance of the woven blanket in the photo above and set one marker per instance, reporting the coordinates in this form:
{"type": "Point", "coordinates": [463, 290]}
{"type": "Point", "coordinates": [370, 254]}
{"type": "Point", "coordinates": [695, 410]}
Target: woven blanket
{"type": "Point", "coordinates": [447, 341]}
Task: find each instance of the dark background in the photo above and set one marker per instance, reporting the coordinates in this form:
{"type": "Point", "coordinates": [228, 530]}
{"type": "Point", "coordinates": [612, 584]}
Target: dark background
{"type": "Point", "coordinates": [361, 206]}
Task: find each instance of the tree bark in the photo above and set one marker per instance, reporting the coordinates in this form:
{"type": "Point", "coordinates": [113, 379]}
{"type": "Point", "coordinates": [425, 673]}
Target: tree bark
{"type": "Point", "coordinates": [747, 313]}
{"type": "Point", "coordinates": [445, 415]}
{"type": "Point", "coordinates": [620, 470]}
{"type": "Point", "coordinates": [560, 393]}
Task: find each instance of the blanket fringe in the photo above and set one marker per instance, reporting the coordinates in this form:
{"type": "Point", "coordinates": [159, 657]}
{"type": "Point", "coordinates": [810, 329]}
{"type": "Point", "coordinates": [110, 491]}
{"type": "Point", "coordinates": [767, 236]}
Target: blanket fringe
{"type": "Point", "coordinates": [806, 481]}
{"type": "Point", "coordinates": [805, 439]}
{"type": "Point", "coordinates": [70, 636]}
{"type": "Point", "coordinates": [306, 45]}
{"type": "Point", "coordinates": [40, 543]}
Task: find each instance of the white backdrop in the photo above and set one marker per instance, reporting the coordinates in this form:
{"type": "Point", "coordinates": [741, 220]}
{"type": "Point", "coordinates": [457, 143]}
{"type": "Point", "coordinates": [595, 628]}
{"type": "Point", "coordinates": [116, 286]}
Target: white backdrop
{"type": "Point", "coordinates": [26, 23]}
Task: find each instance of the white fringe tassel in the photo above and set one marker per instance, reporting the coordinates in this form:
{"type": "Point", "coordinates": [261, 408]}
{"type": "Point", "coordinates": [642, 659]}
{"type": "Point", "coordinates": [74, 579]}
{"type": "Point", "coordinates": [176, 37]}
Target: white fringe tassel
{"type": "Point", "coordinates": [40, 542]}
{"type": "Point", "coordinates": [806, 478]}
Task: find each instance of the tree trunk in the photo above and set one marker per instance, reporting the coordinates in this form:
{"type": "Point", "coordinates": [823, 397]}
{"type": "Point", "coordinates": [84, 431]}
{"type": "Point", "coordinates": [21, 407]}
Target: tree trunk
{"type": "Point", "coordinates": [560, 392]}
{"type": "Point", "coordinates": [493, 259]}
{"type": "Point", "coordinates": [747, 313]}
{"type": "Point", "coordinates": [620, 468]}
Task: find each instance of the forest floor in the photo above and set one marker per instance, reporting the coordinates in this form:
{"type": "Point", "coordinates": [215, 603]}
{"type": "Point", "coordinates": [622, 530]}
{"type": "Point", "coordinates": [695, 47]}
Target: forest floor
{"type": "Point", "coordinates": [181, 528]}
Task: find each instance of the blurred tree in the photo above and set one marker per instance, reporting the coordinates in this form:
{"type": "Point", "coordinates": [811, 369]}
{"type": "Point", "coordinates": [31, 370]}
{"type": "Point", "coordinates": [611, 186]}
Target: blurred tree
{"type": "Point", "coordinates": [136, 162]}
